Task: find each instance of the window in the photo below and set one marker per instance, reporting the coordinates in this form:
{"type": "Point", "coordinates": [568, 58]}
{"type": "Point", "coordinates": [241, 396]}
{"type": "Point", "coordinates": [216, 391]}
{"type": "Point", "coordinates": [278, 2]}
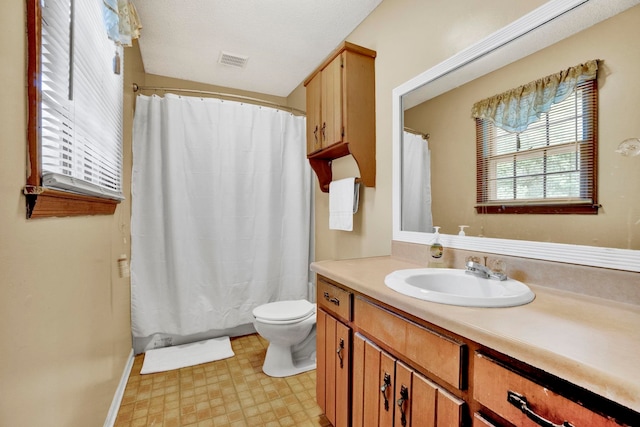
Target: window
{"type": "Point", "coordinates": [75, 110]}
{"type": "Point", "coordinates": [550, 166]}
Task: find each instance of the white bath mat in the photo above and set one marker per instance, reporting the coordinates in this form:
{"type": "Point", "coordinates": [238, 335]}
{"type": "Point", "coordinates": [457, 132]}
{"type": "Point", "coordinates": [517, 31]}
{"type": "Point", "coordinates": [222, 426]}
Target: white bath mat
{"type": "Point", "coordinates": [181, 356]}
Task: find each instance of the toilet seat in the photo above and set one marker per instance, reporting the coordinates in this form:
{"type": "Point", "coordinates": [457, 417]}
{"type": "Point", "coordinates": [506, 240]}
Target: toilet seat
{"type": "Point", "coordinates": [284, 312]}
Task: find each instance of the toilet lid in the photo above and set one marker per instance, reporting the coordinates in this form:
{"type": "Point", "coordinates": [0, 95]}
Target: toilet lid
{"type": "Point", "coordinates": [284, 310]}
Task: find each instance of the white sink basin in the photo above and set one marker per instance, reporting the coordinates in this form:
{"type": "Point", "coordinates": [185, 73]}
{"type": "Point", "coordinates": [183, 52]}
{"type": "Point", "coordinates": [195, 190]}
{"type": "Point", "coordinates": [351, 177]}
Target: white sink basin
{"type": "Point", "coordinates": [455, 287]}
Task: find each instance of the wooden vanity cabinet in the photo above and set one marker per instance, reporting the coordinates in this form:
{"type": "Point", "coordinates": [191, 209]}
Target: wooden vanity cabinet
{"type": "Point", "coordinates": [340, 97]}
{"type": "Point", "coordinates": [430, 377]}
{"type": "Point", "coordinates": [355, 376]}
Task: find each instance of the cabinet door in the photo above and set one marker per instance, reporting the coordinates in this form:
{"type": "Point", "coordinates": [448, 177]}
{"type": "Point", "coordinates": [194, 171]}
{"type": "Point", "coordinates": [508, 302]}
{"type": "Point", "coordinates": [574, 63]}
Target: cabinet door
{"type": "Point", "coordinates": [321, 365]}
{"type": "Point", "coordinates": [314, 114]}
{"type": "Point", "coordinates": [332, 102]}
{"type": "Point", "coordinates": [332, 368]}
{"type": "Point", "coordinates": [358, 358]}
{"type": "Point", "coordinates": [403, 395]}
{"type": "Point", "coordinates": [423, 402]}
{"type": "Point", "coordinates": [449, 409]}
{"type": "Point", "coordinates": [366, 383]}
{"type": "Point", "coordinates": [342, 357]}
{"type": "Point", "coordinates": [371, 385]}
{"type": "Point", "coordinates": [387, 386]}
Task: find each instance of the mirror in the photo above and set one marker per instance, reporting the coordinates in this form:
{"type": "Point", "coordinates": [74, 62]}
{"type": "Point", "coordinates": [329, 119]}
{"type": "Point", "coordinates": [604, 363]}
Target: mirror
{"type": "Point", "coordinates": [422, 102]}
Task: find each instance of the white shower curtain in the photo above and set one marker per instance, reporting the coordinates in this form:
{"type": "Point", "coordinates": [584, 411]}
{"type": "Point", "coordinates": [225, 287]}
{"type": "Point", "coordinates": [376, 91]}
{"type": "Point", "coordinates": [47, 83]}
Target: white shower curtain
{"type": "Point", "coordinates": [220, 213]}
{"type": "Point", "coordinates": [416, 184]}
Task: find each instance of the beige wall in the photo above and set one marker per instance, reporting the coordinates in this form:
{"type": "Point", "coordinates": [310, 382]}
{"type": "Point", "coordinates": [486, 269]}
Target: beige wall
{"type": "Point", "coordinates": [447, 119]}
{"type": "Point", "coordinates": [156, 81]}
{"type": "Point", "coordinates": [65, 326]}
{"type": "Point", "coordinates": [409, 37]}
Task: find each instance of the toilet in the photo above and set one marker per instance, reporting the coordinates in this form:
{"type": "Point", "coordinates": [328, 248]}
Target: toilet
{"type": "Point", "coordinates": [290, 328]}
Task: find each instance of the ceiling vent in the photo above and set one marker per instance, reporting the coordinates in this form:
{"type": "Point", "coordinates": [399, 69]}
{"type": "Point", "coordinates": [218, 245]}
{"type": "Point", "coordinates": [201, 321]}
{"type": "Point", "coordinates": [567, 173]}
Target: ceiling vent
{"type": "Point", "coordinates": [232, 59]}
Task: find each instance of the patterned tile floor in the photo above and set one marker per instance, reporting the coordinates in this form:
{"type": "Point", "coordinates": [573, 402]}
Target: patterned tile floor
{"type": "Point", "coordinates": [233, 392]}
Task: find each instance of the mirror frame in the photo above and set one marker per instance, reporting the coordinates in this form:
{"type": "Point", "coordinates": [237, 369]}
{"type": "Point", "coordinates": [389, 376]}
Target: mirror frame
{"type": "Point", "coordinates": [546, 25]}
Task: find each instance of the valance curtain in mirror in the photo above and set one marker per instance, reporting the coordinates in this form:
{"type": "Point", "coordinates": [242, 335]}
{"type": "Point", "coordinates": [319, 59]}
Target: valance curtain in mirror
{"type": "Point", "coordinates": [515, 109]}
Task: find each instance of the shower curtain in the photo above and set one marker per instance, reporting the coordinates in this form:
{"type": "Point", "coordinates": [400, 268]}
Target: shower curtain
{"type": "Point", "coordinates": [416, 184]}
{"type": "Point", "coordinates": [220, 221]}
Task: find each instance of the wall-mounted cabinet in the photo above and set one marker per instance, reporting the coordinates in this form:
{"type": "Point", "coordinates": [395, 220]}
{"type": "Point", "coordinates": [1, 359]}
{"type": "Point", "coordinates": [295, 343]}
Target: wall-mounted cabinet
{"type": "Point", "coordinates": [341, 113]}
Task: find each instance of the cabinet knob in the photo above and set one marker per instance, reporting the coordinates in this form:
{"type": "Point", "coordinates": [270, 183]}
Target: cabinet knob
{"type": "Point", "coordinates": [404, 397]}
{"type": "Point", "coordinates": [339, 352]}
{"type": "Point", "coordinates": [383, 389]}
{"type": "Point", "coordinates": [331, 299]}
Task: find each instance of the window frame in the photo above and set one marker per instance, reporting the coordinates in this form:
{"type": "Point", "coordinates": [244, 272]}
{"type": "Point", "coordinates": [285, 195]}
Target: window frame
{"type": "Point", "coordinates": [42, 202]}
{"type": "Point", "coordinates": [538, 206]}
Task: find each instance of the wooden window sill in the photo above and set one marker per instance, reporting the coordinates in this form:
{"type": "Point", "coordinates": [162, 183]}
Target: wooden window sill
{"type": "Point", "coordinates": [587, 209]}
{"type": "Point", "coordinates": [45, 203]}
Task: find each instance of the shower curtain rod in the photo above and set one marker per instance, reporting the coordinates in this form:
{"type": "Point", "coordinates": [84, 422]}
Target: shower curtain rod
{"type": "Point", "coordinates": [424, 136]}
{"type": "Point", "coordinates": [137, 88]}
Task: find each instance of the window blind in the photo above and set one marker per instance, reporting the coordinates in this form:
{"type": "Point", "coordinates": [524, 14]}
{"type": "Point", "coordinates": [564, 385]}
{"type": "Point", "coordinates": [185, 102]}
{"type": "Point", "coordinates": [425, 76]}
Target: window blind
{"type": "Point", "coordinates": [552, 162]}
{"type": "Point", "coordinates": [81, 101]}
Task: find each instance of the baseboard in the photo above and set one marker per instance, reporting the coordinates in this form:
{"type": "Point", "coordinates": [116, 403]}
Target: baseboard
{"type": "Point", "coordinates": [117, 398]}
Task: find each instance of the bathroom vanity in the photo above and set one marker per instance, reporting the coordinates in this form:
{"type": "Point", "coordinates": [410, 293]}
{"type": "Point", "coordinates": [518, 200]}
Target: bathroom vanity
{"type": "Point", "coordinates": [387, 359]}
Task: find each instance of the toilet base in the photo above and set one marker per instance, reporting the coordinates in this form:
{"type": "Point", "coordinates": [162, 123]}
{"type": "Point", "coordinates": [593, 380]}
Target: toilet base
{"type": "Point", "coordinates": [279, 362]}
{"type": "Point", "coordinates": [284, 361]}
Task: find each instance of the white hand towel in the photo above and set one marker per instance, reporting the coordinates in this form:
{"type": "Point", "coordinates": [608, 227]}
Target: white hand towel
{"type": "Point", "coordinates": [343, 203]}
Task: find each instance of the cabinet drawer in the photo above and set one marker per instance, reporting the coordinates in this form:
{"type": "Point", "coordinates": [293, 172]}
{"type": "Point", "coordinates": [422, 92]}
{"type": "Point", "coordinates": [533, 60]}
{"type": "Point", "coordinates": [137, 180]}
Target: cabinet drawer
{"type": "Point", "coordinates": [436, 353]}
{"type": "Point", "coordinates": [334, 299]}
{"type": "Point", "coordinates": [496, 386]}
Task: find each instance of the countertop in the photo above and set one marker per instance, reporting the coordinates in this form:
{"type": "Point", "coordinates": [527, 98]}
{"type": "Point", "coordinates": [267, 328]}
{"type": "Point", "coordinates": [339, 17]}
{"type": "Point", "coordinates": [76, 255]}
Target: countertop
{"type": "Point", "coordinates": [591, 342]}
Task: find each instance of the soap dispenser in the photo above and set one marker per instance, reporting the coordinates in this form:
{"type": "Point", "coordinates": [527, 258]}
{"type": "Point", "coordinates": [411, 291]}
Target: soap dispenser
{"type": "Point", "coordinates": [436, 251]}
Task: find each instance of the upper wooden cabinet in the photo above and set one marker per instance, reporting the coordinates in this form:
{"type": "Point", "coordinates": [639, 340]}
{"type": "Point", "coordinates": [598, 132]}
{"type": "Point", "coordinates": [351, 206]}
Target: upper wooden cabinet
{"type": "Point", "coordinates": [341, 113]}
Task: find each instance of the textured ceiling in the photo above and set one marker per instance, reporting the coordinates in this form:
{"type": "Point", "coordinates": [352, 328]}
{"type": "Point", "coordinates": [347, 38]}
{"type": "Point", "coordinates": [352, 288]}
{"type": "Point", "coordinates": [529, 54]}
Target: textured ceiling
{"type": "Point", "coordinates": [285, 40]}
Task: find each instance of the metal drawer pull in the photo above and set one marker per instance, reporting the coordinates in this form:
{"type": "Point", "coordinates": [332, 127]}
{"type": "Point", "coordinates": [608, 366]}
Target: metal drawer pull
{"type": "Point", "coordinates": [520, 402]}
{"type": "Point", "coordinates": [339, 351]}
{"type": "Point", "coordinates": [404, 396]}
{"type": "Point", "coordinates": [334, 300]}
{"type": "Point", "coordinates": [383, 389]}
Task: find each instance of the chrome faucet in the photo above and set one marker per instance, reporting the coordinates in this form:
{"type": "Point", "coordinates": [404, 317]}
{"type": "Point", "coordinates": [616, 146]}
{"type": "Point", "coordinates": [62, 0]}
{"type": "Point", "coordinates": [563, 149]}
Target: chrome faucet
{"type": "Point", "coordinates": [480, 270]}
